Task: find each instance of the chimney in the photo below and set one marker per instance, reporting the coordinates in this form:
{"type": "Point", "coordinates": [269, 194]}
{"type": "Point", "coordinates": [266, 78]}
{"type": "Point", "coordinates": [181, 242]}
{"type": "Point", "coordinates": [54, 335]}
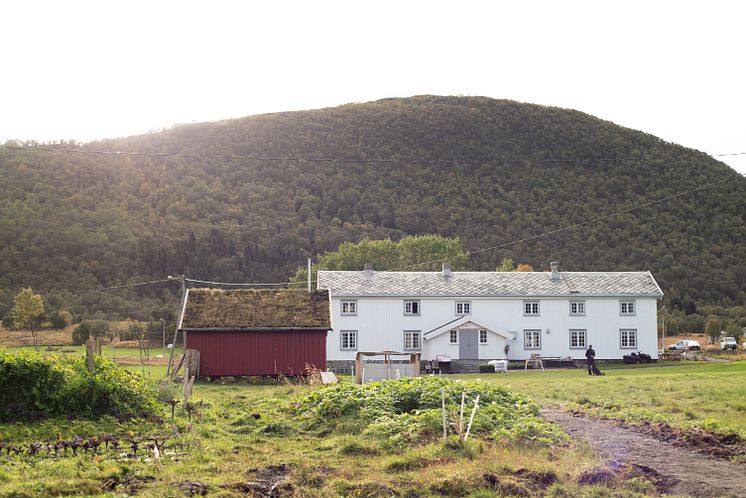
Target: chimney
{"type": "Point", "coordinates": [555, 271]}
{"type": "Point", "coordinates": [446, 268]}
{"type": "Point", "coordinates": [368, 266]}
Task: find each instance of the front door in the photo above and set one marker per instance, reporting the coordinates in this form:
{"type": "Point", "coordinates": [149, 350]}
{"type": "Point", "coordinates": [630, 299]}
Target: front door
{"type": "Point", "coordinates": [468, 345]}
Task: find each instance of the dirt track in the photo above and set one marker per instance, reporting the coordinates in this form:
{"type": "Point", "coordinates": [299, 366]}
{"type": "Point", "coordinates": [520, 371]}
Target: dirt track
{"type": "Point", "coordinates": [686, 472]}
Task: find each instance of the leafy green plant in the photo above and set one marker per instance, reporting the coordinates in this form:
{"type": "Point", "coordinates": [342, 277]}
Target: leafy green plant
{"type": "Point", "coordinates": [38, 387]}
{"type": "Point", "coordinates": [403, 411]}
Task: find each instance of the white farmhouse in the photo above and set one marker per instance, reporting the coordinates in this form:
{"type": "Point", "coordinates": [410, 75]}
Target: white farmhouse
{"type": "Point", "coordinates": [474, 317]}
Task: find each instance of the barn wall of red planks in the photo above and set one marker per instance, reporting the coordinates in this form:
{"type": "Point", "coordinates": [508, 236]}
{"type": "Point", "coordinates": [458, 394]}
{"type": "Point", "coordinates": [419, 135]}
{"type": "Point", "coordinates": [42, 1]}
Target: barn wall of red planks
{"type": "Point", "coordinates": [240, 353]}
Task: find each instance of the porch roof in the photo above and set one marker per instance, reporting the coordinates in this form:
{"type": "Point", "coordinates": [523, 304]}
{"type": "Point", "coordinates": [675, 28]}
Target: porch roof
{"type": "Point", "coordinates": [461, 322]}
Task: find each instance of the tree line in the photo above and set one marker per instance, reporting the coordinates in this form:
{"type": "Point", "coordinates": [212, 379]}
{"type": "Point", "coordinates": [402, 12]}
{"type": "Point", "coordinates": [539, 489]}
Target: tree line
{"type": "Point", "coordinates": [488, 172]}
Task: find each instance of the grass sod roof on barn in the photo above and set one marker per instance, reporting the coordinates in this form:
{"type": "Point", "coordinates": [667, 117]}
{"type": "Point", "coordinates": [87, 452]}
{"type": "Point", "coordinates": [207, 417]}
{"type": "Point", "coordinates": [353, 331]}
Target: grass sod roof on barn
{"type": "Point", "coordinates": [489, 284]}
{"type": "Point", "coordinates": [256, 309]}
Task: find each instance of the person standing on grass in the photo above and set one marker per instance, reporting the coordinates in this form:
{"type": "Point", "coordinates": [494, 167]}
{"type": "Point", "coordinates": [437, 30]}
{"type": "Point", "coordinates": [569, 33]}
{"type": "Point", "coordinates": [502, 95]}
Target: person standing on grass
{"type": "Point", "coordinates": [590, 354]}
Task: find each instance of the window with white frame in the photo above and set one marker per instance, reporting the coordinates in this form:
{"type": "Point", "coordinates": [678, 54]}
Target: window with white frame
{"type": "Point", "coordinates": [411, 340]}
{"type": "Point", "coordinates": [626, 307]}
{"type": "Point", "coordinates": [628, 338]}
{"type": "Point", "coordinates": [348, 340]}
{"type": "Point", "coordinates": [453, 336]}
{"type": "Point", "coordinates": [463, 308]}
{"type": "Point", "coordinates": [578, 338]}
{"type": "Point", "coordinates": [482, 337]}
{"type": "Point", "coordinates": [577, 308]}
{"type": "Point", "coordinates": [411, 307]}
{"type": "Point", "coordinates": [532, 339]}
{"type": "Point", "coordinates": [531, 308]}
{"type": "Point", "coordinates": [349, 308]}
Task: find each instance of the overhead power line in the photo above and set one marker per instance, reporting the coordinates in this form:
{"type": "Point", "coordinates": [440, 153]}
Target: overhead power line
{"type": "Point", "coordinates": [355, 160]}
{"type": "Point", "coordinates": [126, 286]}
{"type": "Point", "coordinates": [415, 265]}
{"type": "Point", "coordinates": [236, 284]}
{"type": "Point", "coordinates": [467, 253]}
{"type": "Point", "coordinates": [729, 154]}
{"type": "Point", "coordinates": [574, 225]}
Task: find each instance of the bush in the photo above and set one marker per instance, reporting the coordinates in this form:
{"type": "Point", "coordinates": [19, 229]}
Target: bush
{"type": "Point", "coordinates": [61, 319]}
{"type": "Point", "coordinates": [399, 412]}
{"type": "Point", "coordinates": [94, 328]}
{"type": "Point", "coordinates": [486, 368]}
{"type": "Point", "coordinates": [35, 387]}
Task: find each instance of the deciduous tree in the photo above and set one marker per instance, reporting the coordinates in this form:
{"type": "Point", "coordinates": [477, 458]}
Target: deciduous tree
{"type": "Point", "coordinates": [712, 329]}
{"type": "Point", "coordinates": [505, 265]}
{"type": "Point", "coordinates": [413, 253]}
{"type": "Point", "coordinates": [28, 313]}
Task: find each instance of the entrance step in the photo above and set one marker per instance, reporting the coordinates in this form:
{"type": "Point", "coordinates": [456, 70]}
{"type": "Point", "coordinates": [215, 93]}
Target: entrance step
{"type": "Point", "coordinates": [465, 366]}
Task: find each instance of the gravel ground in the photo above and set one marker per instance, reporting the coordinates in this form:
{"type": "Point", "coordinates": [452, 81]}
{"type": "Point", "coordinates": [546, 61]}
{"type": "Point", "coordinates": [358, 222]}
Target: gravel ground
{"type": "Point", "coordinates": [685, 472]}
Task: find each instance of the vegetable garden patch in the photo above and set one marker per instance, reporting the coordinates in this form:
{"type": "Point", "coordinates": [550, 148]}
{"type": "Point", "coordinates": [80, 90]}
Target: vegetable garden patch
{"type": "Point", "coordinates": [400, 412]}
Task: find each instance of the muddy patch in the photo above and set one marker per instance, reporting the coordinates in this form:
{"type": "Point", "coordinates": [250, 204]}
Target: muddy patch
{"type": "Point", "coordinates": [522, 482]}
{"type": "Point", "coordinates": [664, 460]}
{"type": "Point", "coordinates": [129, 485]}
{"type": "Point", "coordinates": [727, 446]}
{"type": "Point", "coordinates": [191, 488]}
{"type": "Point", "coordinates": [616, 473]}
{"type": "Point", "coordinates": [269, 482]}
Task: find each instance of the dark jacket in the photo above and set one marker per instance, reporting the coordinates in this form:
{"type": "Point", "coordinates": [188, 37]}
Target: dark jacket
{"type": "Point", "coordinates": [590, 353]}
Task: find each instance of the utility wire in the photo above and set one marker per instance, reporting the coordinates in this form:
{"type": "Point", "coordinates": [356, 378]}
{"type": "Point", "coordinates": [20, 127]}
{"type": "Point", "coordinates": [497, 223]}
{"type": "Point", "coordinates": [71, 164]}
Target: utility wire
{"type": "Point", "coordinates": [139, 284]}
{"type": "Point", "coordinates": [574, 225]}
{"type": "Point", "coordinates": [485, 249]}
{"type": "Point", "coordinates": [247, 284]}
{"type": "Point", "coordinates": [352, 160]}
{"type": "Point", "coordinates": [468, 253]}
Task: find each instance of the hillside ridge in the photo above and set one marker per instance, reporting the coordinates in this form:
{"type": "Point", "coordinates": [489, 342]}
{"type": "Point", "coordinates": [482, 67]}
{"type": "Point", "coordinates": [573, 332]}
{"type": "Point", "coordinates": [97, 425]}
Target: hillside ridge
{"type": "Point", "coordinates": [484, 170]}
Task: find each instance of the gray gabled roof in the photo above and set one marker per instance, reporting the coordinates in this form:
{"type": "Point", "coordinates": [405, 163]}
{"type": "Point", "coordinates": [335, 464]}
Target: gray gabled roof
{"type": "Point", "coordinates": [488, 284]}
{"type": "Point", "coordinates": [458, 322]}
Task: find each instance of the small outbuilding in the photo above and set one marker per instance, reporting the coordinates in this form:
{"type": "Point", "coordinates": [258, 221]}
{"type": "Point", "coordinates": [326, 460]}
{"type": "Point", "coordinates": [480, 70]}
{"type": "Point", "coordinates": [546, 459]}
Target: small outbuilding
{"type": "Point", "coordinates": [256, 332]}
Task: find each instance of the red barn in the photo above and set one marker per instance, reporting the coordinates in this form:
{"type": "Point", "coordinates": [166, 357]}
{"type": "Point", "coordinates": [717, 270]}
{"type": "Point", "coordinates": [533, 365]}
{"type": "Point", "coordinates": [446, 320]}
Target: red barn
{"type": "Point", "coordinates": [256, 332]}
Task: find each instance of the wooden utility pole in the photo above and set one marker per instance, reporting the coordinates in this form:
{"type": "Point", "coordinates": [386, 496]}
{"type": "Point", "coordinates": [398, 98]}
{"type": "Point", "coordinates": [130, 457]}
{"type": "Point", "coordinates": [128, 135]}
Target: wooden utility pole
{"type": "Point", "coordinates": [176, 332]}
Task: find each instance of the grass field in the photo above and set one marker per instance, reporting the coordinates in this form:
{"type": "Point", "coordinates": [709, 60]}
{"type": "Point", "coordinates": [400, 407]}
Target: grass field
{"type": "Point", "coordinates": [242, 437]}
{"type": "Point", "coordinates": [696, 393]}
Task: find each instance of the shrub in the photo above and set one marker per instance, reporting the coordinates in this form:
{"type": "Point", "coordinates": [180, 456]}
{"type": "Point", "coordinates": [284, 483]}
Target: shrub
{"type": "Point", "coordinates": [61, 319]}
{"type": "Point", "coordinates": [486, 368]}
{"type": "Point", "coordinates": [35, 387]}
{"type": "Point", "coordinates": [94, 328]}
{"type": "Point", "coordinates": [399, 412]}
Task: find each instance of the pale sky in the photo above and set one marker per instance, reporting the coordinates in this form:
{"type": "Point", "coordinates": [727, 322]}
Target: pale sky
{"type": "Point", "coordinates": [87, 70]}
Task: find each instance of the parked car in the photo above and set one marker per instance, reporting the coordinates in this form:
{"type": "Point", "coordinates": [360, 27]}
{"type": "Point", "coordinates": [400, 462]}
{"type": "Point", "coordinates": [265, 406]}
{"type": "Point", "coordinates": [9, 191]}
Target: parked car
{"type": "Point", "coordinates": [685, 345]}
{"type": "Point", "coordinates": [728, 343]}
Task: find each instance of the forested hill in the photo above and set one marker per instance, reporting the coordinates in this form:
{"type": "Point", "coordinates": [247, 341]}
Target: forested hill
{"type": "Point", "coordinates": [488, 171]}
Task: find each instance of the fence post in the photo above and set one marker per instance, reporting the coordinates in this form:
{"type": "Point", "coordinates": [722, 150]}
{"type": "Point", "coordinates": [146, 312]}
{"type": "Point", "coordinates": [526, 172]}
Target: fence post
{"type": "Point", "coordinates": [89, 351]}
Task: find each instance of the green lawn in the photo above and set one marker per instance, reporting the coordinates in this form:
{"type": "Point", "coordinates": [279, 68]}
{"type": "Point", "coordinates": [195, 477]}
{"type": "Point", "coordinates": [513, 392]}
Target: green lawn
{"type": "Point", "coordinates": [106, 351]}
{"type": "Point", "coordinates": [237, 429]}
{"type": "Point", "coordinates": [700, 393]}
